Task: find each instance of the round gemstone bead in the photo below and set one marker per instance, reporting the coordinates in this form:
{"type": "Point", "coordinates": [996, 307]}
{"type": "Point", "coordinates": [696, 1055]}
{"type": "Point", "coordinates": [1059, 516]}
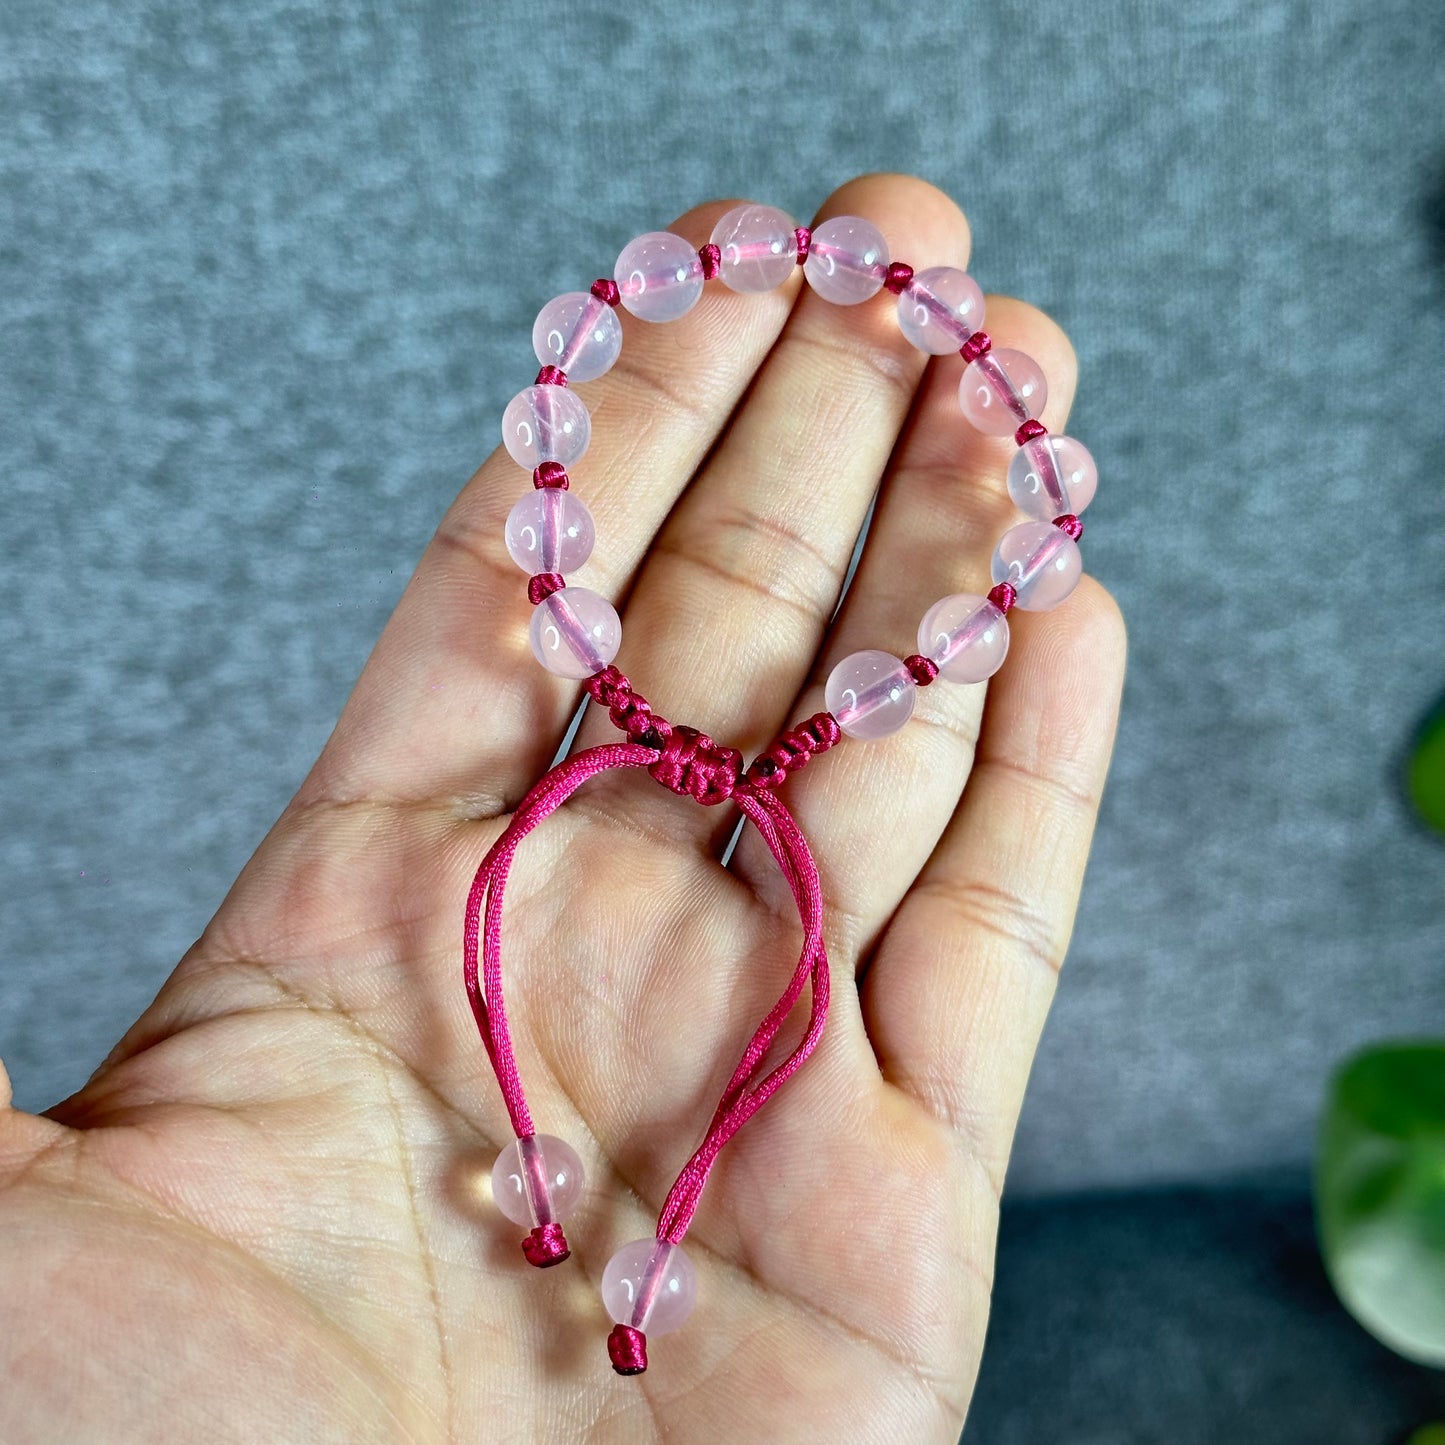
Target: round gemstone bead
{"type": "Point", "coordinates": [546, 424]}
{"type": "Point", "coordinates": [847, 260]}
{"type": "Point", "coordinates": [537, 1180]}
{"type": "Point", "coordinates": [579, 334]}
{"type": "Point", "coordinates": [549, 530]}
{"type": "Point", "coordinates": [1050, 476]}
{"type": "Point", "coordinates": [1041, 563]}
{"type": "Point", "coordinates": [575, 632]}
{"type": "Point", "coordinates": [759, 248]}
{"type": "Point", "coordinates": [871, 694]}
{"type": "Point", "coordinates": [1001, 390]}
{"type": "Point", "coordinates": [966, 636]}
{"type": "Point", "coordinates": [659, 275]}
{"type": "Point", "coordinates": [650, 1285]}
{"type": "Point", "coordinates": [940, 309]}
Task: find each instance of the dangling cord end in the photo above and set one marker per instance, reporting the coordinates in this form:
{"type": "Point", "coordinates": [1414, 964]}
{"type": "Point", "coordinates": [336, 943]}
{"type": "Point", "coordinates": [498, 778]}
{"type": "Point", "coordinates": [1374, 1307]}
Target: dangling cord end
{"type": "Point", "coordinates": [627, 1349]}
{"type": "Point", "coordinates": [546, 1246]}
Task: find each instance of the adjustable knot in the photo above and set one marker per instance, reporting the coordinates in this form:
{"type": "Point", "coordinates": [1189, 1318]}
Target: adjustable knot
{"type": "Point", "coordinates": [546, 1245]}
{"type": "Point", "coordinates": [693, 766]}
{"type": "Point", "coordinates": [789, 752]}
{"type": "Point", "coordinates": [627, 1349]}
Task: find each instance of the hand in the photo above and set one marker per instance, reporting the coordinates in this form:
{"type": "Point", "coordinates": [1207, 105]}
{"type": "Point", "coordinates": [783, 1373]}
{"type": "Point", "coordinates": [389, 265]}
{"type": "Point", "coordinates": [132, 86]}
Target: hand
{"type": "Point", "coordinates": [266, 1217]}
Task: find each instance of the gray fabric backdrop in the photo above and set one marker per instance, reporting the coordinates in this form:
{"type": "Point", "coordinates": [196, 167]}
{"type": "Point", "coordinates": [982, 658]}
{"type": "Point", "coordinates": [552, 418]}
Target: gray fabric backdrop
{"type": "Point", "coordinates": [256, 333]}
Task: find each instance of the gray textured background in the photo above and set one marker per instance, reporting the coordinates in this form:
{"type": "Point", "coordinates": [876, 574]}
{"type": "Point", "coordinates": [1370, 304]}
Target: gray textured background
{"type": "Point", "coordinates": [255, 332]}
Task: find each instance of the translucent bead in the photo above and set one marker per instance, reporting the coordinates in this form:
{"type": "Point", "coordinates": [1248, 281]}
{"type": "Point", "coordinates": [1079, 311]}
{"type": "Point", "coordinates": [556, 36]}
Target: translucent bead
{"type": "Point", "coordinates": [575, 632]}
{"type": "Point", "coordinates": [1040, 561]}
{"type": "Point", "coordinates": [966, 636]}
{"type": "Point", "coordinates": [546, 424]}
{"type": "Point", "coordinates": [659, 275]}
{"type": "Point", "coordinates": [537, 1180]}
{"type": "Point", "coordinates": [578, 334]}
{"type": "Point", "coordinates": [759, 248]}
{"type": "Point", "coordinates": [1050, 476]}
{"type": "Point", "coordinates": [549, 530]}
{"type": "Point", "coordinates": [650, 1285]}
{"type": "Point", "coordinates": [940, 309]}
{"type": "Point", "coordinates": [1001, 390]}
{"type": "Point", "coordinates": [871, 694]}
{"type": "Point", "coordinates": [847, 260]}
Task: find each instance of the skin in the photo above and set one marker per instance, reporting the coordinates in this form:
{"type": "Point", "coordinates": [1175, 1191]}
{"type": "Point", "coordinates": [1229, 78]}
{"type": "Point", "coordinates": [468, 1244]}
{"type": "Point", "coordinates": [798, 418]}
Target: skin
{"type": "Point", "coordinates": [267, 1215]}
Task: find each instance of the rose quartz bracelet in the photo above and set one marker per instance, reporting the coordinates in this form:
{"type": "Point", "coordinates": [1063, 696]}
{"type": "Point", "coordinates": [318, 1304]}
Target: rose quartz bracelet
{"type": "Point", "coordinates": [649, 1286]}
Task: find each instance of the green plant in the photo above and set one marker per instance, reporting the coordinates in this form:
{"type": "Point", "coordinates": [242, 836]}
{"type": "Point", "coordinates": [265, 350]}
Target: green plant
{"type": "Point", "coordinates": [1425, 770]}
{"type": "Point", "coordinates": [1380, 1195]}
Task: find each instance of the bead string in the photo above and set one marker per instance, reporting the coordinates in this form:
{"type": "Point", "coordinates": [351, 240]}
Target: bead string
{"type": "Point", "coordinates": [649, 1285]}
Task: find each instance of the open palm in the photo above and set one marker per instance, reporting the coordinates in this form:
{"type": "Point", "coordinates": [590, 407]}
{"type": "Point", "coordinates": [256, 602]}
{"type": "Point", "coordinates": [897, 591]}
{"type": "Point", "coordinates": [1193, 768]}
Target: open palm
{"type": "Point", "coordinates": [267, 1216]}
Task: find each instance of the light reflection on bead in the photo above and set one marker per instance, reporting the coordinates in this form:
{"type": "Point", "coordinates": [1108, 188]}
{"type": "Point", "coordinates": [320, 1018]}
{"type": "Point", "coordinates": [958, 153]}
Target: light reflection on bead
{"type": "Point", "coordinates": [650, 1285]}
{"type": "Point", "coordinates": [537, 1180]}
{"type": "Point", "coordinates": [1042, 564]}
{"type": "Point", "coordinates": [759, 248]}
{"type": "Point", "coordinates": [575, 632]}
{"type": "Point", "coordinates": [1000, 390]}
{"type": "Point", "coordinates": [579, 334]}
{"type": "Point", "coordinates": [871, 694]}
{"type": "Point", "coordinates": [549, 530]}
{"type": "Point", "coordinates": [940, 309]}
{"type": "Point", "coordinates": [1049, 476]}
{"type": "Point", "coordinates": [546, 424]}
{"type": "Point", "coordinates": [847, 260]}
{"type": "Point", "coordinates": [966, 636]}
{"type": "Point", "coordinates": [659, 275]}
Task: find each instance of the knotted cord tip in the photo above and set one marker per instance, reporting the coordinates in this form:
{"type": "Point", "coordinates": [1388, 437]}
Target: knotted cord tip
{"type": "Point", "coordinates": [546, 1246]}
{"type": "Point", "coordinates": [627, 1349]}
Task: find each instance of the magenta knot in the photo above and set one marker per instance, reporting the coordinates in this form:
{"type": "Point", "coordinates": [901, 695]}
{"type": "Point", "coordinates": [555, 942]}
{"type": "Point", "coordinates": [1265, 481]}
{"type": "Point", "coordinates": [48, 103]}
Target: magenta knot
{"type": "Point", "coordinates": [1070, 525]}
{"type": "Point", "coordinates": [550, 474]}
{"type": "Point", "coordinates": [711, 257]}
{"type": "Point", "coordinates": [900, 273]}
{"type": "Point", "coordinates": [790, 751]}
{"type": "Point", "coordinates": [922, 669]}
{"type": "Point", "coordinates": [975, 346]}
{"type": "Point", "coordinates": [1003, 596]}
{"type": "Point", "coordinates": [627, 1349]}
{"type": "Point", "coordinates": [629, 710]}
{"type": "Point", "coordinates": [543, 585]}
{"type": "Point", "coordinates": [551, 376]}
{"type": "Point", "coordinates": [804, 237]}
{"type": "Point", "coordinates": [693, 766]}
{"type": "Point", "coordinates": [546, 1246]}
{"type": "Point", "coordinates": [1029, 430]}
{"type": "Point", "coordinates": [604, 288]}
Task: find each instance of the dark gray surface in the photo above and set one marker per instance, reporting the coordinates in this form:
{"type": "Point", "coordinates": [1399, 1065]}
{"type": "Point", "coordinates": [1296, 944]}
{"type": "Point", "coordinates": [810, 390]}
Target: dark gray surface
{"type": "Point", "coordinates": [261, 306]}
{"type": "Point", "coordinates": [1182, 1318]}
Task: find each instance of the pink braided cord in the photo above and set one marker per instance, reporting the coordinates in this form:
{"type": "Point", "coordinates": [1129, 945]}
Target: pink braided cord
{"type": "Point", "coordinates": [691, 764]}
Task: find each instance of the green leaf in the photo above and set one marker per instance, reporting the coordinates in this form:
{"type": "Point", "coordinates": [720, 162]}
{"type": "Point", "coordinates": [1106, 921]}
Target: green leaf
{"type": "Point", "coordinates": [1428, 1435]}
{"type": "Point", "coordinates": [1380, 1195]}
{"type": "Point", "coordinates": [1425, 771]}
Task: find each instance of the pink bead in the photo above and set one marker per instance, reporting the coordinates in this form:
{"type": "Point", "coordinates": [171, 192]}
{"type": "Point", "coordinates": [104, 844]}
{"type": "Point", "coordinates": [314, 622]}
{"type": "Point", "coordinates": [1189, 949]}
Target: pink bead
{"type": "Point", "coordinates": [940, 309]}
{"type": "Point", "coordinates": [1000, 390]}
{"type": "Point", "coordinates": [847, 261]}
{"type": "Point", "coordinates": [579, 334]}
{"type": "Point", "coordinates": [871, 694]}
{"type": "Point", "coordinates": [1050, 476]}
{"type": "Point", "coordinates": [659, 276]}
{"type": "Point", "coordinates": [537, 1180]}
{"type": "Point", "coordinates": [650, 1285]}
{"type": "Point", "coordinates": [759, 248]}
{"type": "Point", "coordinates": [546, 424]}
{"type": "Point", "coordinates": [1040, 562]}
{"type": "Point", "coordinates": [575, 632]}
{"type": "Point", "coordinates": [549, 530]}
{"type": "Point", "coordinates": [966, 636]}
